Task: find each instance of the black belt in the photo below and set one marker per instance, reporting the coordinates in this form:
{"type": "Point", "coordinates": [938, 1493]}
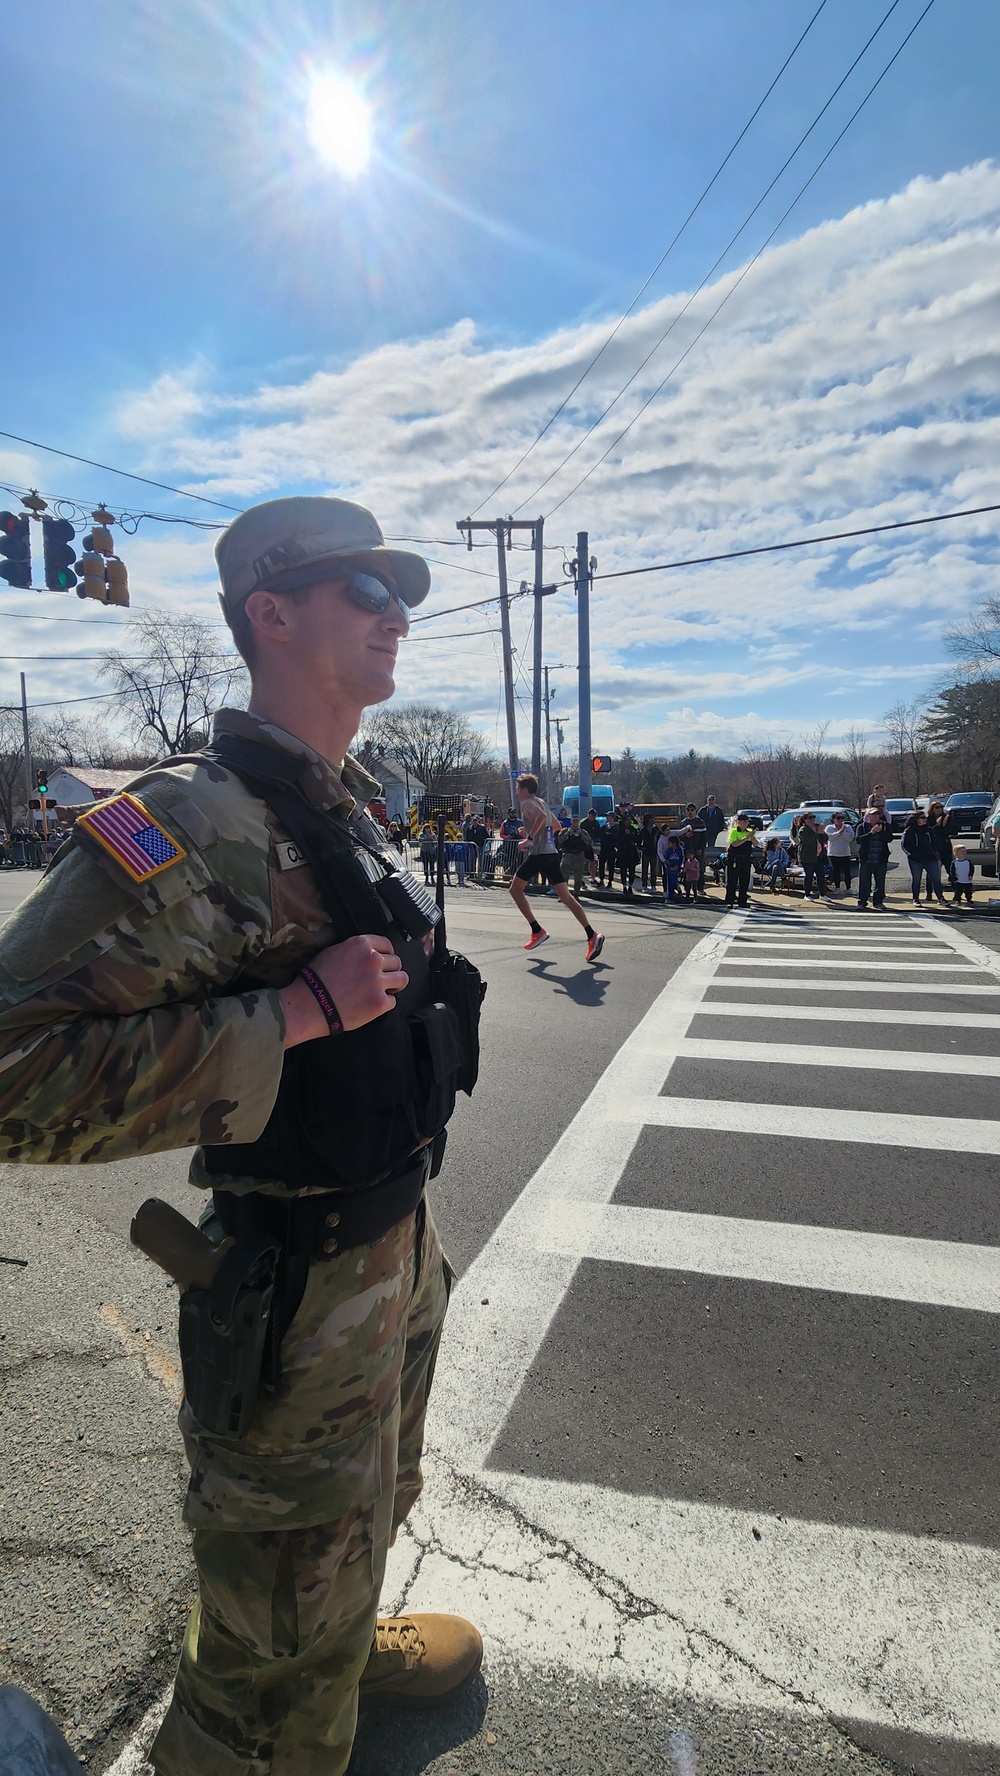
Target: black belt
{"type": "Point", "coordinates": [319, 1227]}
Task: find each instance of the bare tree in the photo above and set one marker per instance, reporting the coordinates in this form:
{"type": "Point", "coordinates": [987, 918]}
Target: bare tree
{"type": "Point", "coordinates": [906, 726]}
{"type": "Point", "coordinates": [975, 642]}
{"type": "Point", "coordinates": [858, 765]}
{"type": "Point", "coordinates": [176, 677]}
{"type": "Point", "coordinates": [814, 750]}
{"type": "Point", "coordinates": [437, 746]}
{"type": "Point", "coordinates": [371, 741]}
{"type": "Point", "coordinates": [12, 796]}
{"type": "Point", "coordinates": [770, 769]}
{"type": "Point", "coordinates": [81, 741]}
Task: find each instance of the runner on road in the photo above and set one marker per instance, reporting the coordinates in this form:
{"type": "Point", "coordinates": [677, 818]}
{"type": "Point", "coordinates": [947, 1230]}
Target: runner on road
{"type": "Point", "coordinates": [541, 859]}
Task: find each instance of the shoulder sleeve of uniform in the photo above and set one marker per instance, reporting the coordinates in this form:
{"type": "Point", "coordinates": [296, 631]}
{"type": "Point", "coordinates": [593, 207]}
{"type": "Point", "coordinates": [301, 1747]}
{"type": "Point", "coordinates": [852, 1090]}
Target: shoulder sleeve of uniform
{"type": "Point", "coordinates": [173, 837]}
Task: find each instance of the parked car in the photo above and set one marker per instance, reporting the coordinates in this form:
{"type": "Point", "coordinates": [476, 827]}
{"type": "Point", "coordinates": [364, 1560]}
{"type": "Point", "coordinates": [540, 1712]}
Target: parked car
{"type": "Point", "coordinates": [899, 809]}
{"type": "Point", "coordinates": [967, 811]}
{"type": "Point", "coordinates": [753, 817]}
{"type": "Point", "coordinates": [989, 833]}
{"type": "Point", "coordinates": [781, 827]}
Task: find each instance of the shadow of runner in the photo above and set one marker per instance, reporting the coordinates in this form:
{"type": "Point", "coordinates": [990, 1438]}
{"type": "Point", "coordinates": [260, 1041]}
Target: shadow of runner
{"type": "Point", "coordinates": [406, 1741]}
{"type": "Point", "coordinates": [584, 988]}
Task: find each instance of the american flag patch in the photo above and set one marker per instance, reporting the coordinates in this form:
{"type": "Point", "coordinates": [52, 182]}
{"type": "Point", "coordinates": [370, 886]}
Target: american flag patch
{"type": "Point", "coordinates": [130, 835]}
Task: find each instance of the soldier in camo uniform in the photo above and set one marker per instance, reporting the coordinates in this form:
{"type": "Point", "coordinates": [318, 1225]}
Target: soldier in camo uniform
{"type": "Point", "coordinates": [126, 1028]}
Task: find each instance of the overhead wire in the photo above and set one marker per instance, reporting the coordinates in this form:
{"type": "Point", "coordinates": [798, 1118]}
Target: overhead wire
{"type": "Point", "coordinates": [621, 573]}
{"type": "Point", "coordinates": [619, 324]}
{"type": "Point", "coordinates": [836, 536]}
{"type": "Point", "coordinates": [126, 474]}
{"type": "Point", "coordinates": [106, 696]}
{"type": "Point", "coordinates": [710, 273]}
{"type": "Point", "coordinates": [733, 287]}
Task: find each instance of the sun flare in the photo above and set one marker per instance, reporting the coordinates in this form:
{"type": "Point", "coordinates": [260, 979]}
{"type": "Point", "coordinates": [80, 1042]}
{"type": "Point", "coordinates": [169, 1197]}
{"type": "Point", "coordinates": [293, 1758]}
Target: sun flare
{"type": "Point", "coordinates": [339, 124]}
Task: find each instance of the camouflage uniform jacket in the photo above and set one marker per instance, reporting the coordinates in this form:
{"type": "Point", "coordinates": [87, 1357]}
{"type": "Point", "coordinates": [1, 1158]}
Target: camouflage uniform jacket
{"type": "Point", "coordinates": [123, 1027]}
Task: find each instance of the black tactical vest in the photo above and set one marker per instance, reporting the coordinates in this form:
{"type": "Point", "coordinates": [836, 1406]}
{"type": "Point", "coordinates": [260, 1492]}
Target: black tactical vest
{"type": "Point", "coordinates": [352, 1108]}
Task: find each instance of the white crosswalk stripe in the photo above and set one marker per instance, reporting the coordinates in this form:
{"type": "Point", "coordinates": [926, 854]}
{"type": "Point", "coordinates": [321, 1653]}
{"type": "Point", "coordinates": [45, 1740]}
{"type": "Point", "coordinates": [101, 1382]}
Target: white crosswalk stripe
{"type": "Point", "coordinates": [882, 1625]}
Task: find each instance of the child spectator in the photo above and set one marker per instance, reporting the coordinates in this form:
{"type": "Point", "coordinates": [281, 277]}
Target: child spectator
{"type": "Point", "coordinates": [670, 852]}
{"type": "Point", "coordinates": [428, 851]}
{"type": "Point", "coordinates": [962, 871]}
{"type": "Point", "coordinates": [775, 863]}
{"type": "Point", "coordinates": [692, 875]}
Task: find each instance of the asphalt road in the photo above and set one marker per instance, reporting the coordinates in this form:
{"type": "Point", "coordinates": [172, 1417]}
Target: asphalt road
{"type": "Point", "coordinates": [713, 1442]}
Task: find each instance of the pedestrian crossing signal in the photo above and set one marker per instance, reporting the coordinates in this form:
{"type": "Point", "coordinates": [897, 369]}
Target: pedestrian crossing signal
{"type": "Point", "coordinates": [600, 764]}
{"type": "Point", "coordinates": [15, 547]}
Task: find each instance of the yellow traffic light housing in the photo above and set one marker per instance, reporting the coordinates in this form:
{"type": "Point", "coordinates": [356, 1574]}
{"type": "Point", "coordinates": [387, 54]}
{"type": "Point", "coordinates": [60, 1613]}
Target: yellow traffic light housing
{"type": "Point", "coordinates": [116, 576]}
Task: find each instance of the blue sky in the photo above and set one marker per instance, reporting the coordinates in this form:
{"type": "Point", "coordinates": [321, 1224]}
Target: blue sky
{"type": "Point", "coordinates": [194, 295]}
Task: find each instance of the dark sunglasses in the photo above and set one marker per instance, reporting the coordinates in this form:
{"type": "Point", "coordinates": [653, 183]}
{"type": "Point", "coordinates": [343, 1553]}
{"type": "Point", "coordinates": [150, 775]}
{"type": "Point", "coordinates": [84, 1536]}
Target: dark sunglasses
{"type": "Point", "coordinates": [372, 593]}
{"type": "Point", "coordinates": [367, 590]}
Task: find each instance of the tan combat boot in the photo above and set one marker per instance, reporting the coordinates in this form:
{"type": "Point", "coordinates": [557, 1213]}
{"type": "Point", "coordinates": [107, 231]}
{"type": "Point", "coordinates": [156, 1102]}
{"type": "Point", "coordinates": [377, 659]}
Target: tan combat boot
{"type": "Point", "coordinates": [420, 1660]}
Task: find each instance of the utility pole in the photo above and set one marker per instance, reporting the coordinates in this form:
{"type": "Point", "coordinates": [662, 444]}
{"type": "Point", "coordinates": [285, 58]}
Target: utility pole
{"type": "Point", "coordinates": [501, 528]}
{"type": "Point", "coordinates": [559, 741]}
{"type": "Point", "coordinates": [28, 772]}
{"type": "Point", "coordinates": [536, 675]}
{"type": "Point", "coordinates": [513, 761]}
{"type": "Point", "coordinates": [583, 573]}
{"type": "Point", "coordinates": [503, 531]}
{"type": "Point", "coordinates": [548, 740]}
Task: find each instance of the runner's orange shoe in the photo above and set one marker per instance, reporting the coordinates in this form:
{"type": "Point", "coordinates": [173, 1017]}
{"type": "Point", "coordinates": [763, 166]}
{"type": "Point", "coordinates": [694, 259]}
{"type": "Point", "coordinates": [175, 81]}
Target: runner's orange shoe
{"type": "Point", "coordinates": [536, 938]}
{"type": "Point", "coordinates": [595, 945]}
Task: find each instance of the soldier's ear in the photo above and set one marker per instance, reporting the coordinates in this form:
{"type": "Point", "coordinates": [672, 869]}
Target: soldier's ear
{"type": "Point", "coordinates": [267, 613]}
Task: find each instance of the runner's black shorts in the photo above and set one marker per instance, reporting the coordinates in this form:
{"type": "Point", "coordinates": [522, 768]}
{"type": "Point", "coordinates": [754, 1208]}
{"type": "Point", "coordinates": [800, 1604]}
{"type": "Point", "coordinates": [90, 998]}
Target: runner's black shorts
{"type": "Point", "coordinates": [548, 867]}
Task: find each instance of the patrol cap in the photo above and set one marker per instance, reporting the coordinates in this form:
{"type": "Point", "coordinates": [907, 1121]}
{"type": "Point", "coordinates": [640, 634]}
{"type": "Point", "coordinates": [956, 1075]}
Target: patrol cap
{"type": "Point", "coordinates": [286, 543]}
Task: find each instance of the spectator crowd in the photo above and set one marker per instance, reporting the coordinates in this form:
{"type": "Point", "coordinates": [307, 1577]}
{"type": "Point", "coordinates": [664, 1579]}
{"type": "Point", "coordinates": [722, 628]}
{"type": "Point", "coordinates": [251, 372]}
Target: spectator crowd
{"type": "Point", "coordinates": [826, 853]}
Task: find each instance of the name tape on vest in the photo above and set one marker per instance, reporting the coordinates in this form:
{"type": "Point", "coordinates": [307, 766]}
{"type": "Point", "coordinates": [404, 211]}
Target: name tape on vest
{"type": "Point", "coordinates": [289, 856]}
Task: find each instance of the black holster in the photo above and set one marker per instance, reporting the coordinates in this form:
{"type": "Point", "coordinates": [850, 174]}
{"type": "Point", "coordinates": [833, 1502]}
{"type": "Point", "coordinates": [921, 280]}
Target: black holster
{"type": "Point", "coordinates": [223, 1333]}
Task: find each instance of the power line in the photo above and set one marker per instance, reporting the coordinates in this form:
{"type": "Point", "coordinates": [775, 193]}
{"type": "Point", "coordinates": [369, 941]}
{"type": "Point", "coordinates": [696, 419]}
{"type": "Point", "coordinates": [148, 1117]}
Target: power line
{"type": "Point", "coordinates": [106, 623]}
{"type": "Point", "coordinates": [660, 262]}
{"type": "Point", "coordinates": [734, 286]}
{"type": "Point", "coordinates": [682, 311]}
{"type": "Point", "coordinates": [478, 604]}
{"type": "Point", "coordinates": [456, 635]}
{"type": "Point", "coordinates": [129, 521]}
{"type": "Point", "coordinates": [106, 696]}
{"type": "Point", "coordinates": [130, 659]}
{"type": "Point", "coordinates": [837, 536]}
{"type": "Point", "coordinates": [126, 474]}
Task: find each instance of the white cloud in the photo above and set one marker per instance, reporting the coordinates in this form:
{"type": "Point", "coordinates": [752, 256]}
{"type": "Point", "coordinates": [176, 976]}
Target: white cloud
{"type": "Point", "coordinates": [854, 379]}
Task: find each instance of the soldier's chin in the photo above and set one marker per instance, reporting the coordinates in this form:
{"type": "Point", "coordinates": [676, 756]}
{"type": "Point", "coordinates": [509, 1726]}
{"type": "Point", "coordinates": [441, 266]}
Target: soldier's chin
{"type": "Point", "coordinates": [381, 686]}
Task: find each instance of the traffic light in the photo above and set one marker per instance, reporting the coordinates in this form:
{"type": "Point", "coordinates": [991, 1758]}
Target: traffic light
{"type": "Point", "coordinates": [600, 764]}
{"type": "Point", "coordinates": [92, 580]}
{"type": "Point", "coordinates": [103, 574]}
{"type": "Point", "coordinates": [60, 556]}
{"type": "Point", "coordinates": [43, 784]}
{"type": "Point", "coordinates": [100, 538]}
{"type": "Point", "coordinates": [15, 547]}
{"type": "Point", "coordinates": [116, 575]}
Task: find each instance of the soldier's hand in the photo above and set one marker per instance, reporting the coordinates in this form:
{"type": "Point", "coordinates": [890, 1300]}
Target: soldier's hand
{"type": "Point", "coordinates": [362, 976]}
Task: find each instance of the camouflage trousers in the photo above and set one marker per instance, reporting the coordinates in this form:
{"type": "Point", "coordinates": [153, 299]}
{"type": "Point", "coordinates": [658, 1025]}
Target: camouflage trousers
{"type": "Point", "coordinates": [293, 1524]}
